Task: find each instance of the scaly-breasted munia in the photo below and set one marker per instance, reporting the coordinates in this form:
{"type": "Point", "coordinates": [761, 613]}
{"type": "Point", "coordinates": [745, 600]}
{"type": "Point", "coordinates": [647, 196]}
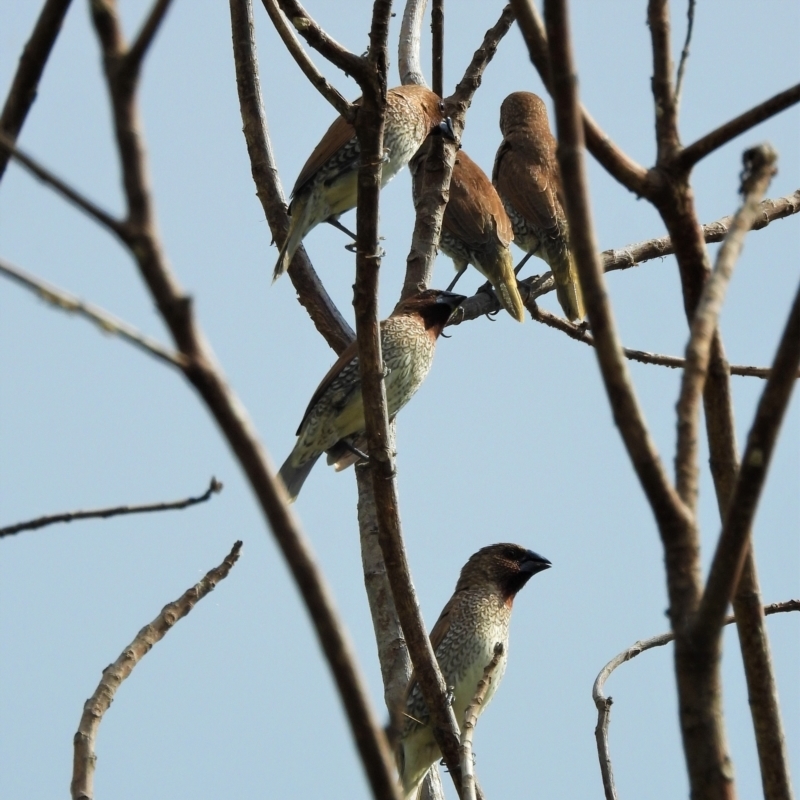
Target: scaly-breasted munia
{"type": "Point", "coordinates": [476, 229]}
{"type": "Point", "coordinates": [328, 183]}
{"type": "Point", "coordinates": [334, 419]}
{"type": "Point", "coordinates": [527, 178]}
{"type": "Point", "coordinates": [474, 620]}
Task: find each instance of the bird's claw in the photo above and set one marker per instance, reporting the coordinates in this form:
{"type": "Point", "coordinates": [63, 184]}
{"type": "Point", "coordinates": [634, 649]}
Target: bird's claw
{"type": "Point", "coordinates": [450, 697]}
{"type": "Point", "coordinates": [487, 288]}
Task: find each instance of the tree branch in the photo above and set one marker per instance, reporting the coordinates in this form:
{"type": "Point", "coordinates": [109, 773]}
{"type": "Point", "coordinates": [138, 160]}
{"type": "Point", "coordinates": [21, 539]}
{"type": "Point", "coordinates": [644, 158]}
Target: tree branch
{"type": "Point", "coordinates": [138, 50]}
{"type": "Point", "coordinates": [685, 52]}
{"type": "Point", "coordinates": [617, 163]}
{"type": "Point", "coordinates": [29, 72]}
{"type": "Point", "coordinates": [104, 513]}
{"type": "Point", "coordinates": [603, 703]}
{"type": "Point", "coordinates": [759, 167]}
{"type": "Point", "coordinates": [310, 291]}
{"type": "Point", "coordinates": [85, 760]}
{"type": "Point", "coordinates": [316, 78]}
{"type": "Point", "coordinates": [437, 46]}
{"type": "Point", "coordinates": [105, 321]}
{"type": "Point", "coordinates": [698, 150]}
{"type": "Point", "coordinates": [666, 107]}
{"type": "Point", "coordinates": [408, 48]}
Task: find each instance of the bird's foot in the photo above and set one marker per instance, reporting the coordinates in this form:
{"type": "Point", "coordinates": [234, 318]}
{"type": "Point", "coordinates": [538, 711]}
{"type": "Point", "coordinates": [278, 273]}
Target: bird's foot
{"type": "Point", "coordinates": [487, 288]}
{"type": "Point", "coordinates": [356, 452]}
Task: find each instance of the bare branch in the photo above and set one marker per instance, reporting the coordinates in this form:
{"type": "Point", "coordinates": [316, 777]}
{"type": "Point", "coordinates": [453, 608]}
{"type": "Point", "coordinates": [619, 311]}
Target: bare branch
{"type": "Point", "coordinates": [108, 323]}
{"type": "Point", "coordinates": [437, 46]}
{"type": "Point", "coordinates": [698, 150]}
{"type": "Point", "coordinates": [338, 55]}
{"type": "Point", "coordinates": [138, 50]}
{"type": "Point", "coordinates": [685, 52]}
{"type": "Point", "coordinates": [759, 165]}
{"type": "Point", "coordinates": [29, 72]}
{"type": "Point", "coordinates": [603, 703]}
{"type": "Point", "coordinates": [468, 788]}
{"type": "Point", "coordinates": [64, 189]}
{"type": "Point", "coordinates": [317, 79]}
{"type": "Point", "coordinates": [617, 163]}
{"type": "Point", "coordinates": [85, 760]}
{"type": "Point", "coordinates": [734, 540]}
{"type": "Point", "coordinates": [104, 513]}
{"type": "Point", "coordinates": [310, 291]}
{"type": "Point", "coordinates": [408, 49]}
{"type": "Point", "coordinates": [666, 107]}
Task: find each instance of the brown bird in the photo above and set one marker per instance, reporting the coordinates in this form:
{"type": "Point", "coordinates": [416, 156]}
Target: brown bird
{"type": "Point", "coordinates": [476, 229]}
{"type": "Point", "coordinates": [334, 419]}
{"type": "Point", "coordinates": [474, 620]}
{"type": "Point", "coordinates": [527, 178]}
{"type": "Point", "coordinates": [328, 183]}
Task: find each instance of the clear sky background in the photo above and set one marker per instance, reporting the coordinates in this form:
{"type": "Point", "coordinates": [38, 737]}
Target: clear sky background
{"type": "Point", "coordinates": [510, 439]}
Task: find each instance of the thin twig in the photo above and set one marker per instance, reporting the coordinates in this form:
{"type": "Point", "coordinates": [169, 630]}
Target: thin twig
{"type": "Point", "coordinates": [603, 703]}
{"type": "Point", "coordinates": [141, 44]}
{"type": "Point", "coordinates": [468, 788]}
{"type": "Point", "coordinates": [94, 211]}
{"type": "Point", "coordinates": [408, 47]}
{"type": "Point", "coordinates": [107, 323]}
{"type": "Point", "coordinates": [26, 79]}
{"type": "Point", "coordinates": [85, 759]}
{"type": "Point", "coordinates": [698, 150]}
{"type": "Point", "coordinates": [685, 52]}
{"type": "Point", "coordinates": [104, 513]}
{"type": "Point", "coordinates": [316, 78]}
{"type": "Point", "coordinates": [759, 168]}
{"type": "Point", "coordinates": [310, 291]}
{"type": "Point", "coordinates": [733, 542]}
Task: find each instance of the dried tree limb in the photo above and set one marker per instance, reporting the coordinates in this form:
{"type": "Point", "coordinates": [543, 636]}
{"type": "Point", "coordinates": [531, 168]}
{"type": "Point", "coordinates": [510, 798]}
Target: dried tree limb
{"type": "Point", "coordinates": [141, 44]}
{"type": "Point", "coordinates": [108, 323]}
{"type": "Point", "coordinates": [104, 513]}
{"type": "Point", "coordinates": [471, 720]}
{"type": "Point", "coordinates": [603, 703]}
{"type": "Point", "coordinates": [29, 72]}
{"type": "Point", "coordinates": [698, 150]}
{"type": "Point", "coordinates": [310, 291]}
{"type": "Point", "coordinates": [759, 168]}
{"type": "Point", "coordinates": [408, 49]}
{"type": "Point", "coordinates": [85, 760]}
{"type": "Point", "coordinates": [316, 78]}
{"type": "Point", "coordinates": [734, 540]}
{"type": "Point", "coordinates": [64, 189]}
{"type": "Point", "coordinates": [437, 46]}
{"type": "Point", "coordinates": [206, 377]}
{"type": "Point", "coordinates": [615, 161]}
{"type": "Point", "coordinates": [666, 106]}
{"type": "Point", "coordinates": [685, 52]}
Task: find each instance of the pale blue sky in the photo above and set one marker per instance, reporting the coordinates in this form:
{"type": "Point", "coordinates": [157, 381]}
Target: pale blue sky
{"type": "Point", "coordinates": [510, 439]}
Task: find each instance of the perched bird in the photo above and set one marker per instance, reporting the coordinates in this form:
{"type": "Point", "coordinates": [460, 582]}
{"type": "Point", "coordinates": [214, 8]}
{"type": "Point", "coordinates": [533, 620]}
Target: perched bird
{"type": "Point", "coordinates": [474, 620]}
{"type": "Point", "coordinates": [334, 419]}
{"type": "Point", "coordinates": [527, 178]}
{"type": "Point", "coordinates": [328, 183]}
{"type": "Point", "coordinates": [476, 229]}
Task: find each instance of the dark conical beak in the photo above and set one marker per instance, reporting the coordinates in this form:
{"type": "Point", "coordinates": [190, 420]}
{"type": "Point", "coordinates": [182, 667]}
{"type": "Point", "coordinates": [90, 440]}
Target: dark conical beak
{"type": "Point", "coordinates": [533, 563]}
{"type": "Point", "coordinates": [451, 299]}
{"type": "Point", "coordinates": [445, 128]}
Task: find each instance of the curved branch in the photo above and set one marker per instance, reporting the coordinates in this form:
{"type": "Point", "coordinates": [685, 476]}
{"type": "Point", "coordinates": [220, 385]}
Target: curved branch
{"type": "Point", "coordinates": [132, 63]}
{"type": "Point", "coordinates": [698, 150]}
{"type": "Point", "coordinates": [685, 52]}
{"type": "Point", "coordinates": [408, 48]}
{"type": "Point", "coordinates": [603, 703]}
{"type": "Point", "coordinates": [215, 487]}
{"type": "Point", "coordinates": [85, 760]}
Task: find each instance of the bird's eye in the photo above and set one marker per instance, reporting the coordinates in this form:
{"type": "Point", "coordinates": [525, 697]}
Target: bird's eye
{"type": "Point", "coordinates": [441, 106]}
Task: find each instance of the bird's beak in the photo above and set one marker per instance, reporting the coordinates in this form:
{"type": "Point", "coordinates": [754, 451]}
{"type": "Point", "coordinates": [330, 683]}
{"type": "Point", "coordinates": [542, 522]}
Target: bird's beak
{"type": "Point", "coordinates": [451, 299]}
{"type": "Point", "coordinates": [533, 563]}
{"type": "Point", "coordinates": [445, 128]}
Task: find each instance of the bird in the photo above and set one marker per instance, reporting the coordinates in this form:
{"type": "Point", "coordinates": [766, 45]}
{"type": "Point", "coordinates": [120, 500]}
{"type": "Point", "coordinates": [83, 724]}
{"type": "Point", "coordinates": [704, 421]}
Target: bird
{"type": "Point", "coordinates": [328, 183]}
{"type": "Point", "coordinates": [527, 178]}
{"type": "Point", "coordinates": [474, 620]}
{"type": "Point", "coordinates": [334, 420]}
{"type": "Point", "coordinates": [475, 228]}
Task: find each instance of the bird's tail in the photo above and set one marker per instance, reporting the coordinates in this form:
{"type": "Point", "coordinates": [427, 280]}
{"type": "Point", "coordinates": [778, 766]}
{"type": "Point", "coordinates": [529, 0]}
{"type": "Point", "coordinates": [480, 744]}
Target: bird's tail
{"type": "Point", "coordinates": [505, 285]}
{"type": "Point", "coordinates": [293, 238]}
{"type": "Point", "coordinates": [568, 289]}
{"type": "Point", "coordinates": [294, 477]}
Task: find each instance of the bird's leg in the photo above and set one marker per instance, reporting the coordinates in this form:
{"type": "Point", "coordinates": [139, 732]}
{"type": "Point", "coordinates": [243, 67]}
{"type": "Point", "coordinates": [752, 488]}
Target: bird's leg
{"type": "Point", "coordinates": [487, 288]}
{"type": "Point", "coordinates": [455, 280]}
{"type": "Point", "coordinates": [355, 451]}
{"type": "Point", "coordinates": [525, 259]}
{"type": "Point", "coordinates": [336, 224]}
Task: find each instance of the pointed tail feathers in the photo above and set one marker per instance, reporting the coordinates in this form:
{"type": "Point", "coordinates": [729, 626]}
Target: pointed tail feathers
{"type": "Point", "coordinates": [568, 289]}
{"type": "Point", "coordinates": [294, 477]}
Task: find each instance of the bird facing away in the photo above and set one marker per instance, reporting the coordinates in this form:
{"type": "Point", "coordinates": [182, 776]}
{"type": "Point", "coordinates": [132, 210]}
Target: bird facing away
{"type": "Point", "coordinates": [334, 419]}
{"type": "Point", "coordinates": [476, 229]}
{"type": "Point", "coordinates": [527, 178]}
{"type": "Point", "coordinates": [328, 183]}
{"type": "Point", "coordinates": [474, 620]}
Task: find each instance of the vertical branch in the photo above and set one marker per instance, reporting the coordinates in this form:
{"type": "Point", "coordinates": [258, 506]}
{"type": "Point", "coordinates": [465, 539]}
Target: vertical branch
{"type": "Point", "coordinates": [685, 52]}
{"type": "Point", "coordinates": [666, 108]}
{"type": "Point", "coordinates": [437, 35]}
{"type": "Point", "coordinates": [408, 48]}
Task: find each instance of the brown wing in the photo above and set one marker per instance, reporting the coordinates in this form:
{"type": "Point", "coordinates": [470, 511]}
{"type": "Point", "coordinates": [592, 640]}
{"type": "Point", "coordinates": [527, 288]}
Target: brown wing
{"type": "Point", "coordinates": [335, 138]}
{"type": "Point", "coordinates": [348, 354]}
{"type": "Point", "coordinates": [475, 213]}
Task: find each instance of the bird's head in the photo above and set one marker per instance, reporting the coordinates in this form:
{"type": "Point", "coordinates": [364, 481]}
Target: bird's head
{"type": "Point", "coordinates": [433, 306]}
{"type": "Point", "coordinates": [432, 107]}
{"type": "Point", "coordinates": [505, 567]}
{"type": "Point", "coordinates": [523, 111]}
